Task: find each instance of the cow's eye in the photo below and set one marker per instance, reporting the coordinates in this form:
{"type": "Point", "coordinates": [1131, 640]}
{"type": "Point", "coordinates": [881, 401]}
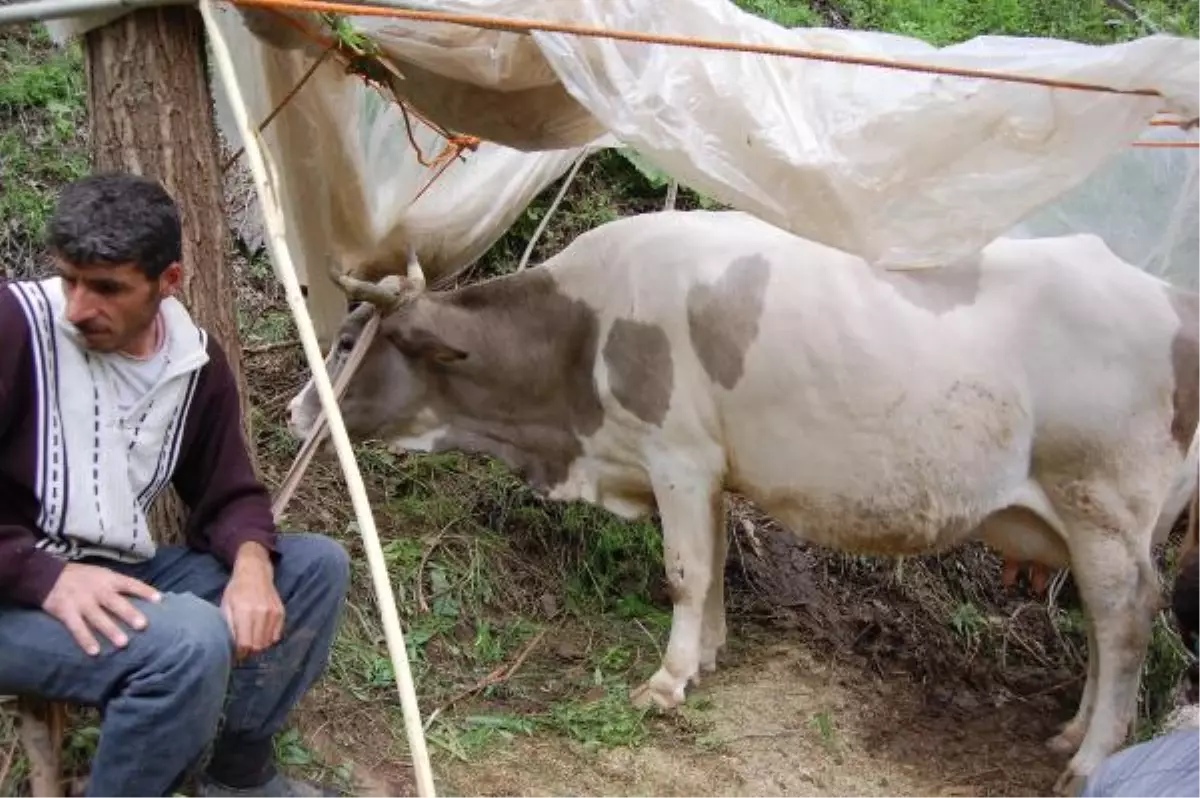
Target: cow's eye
{"type": "Point", "coordinates": [345, 344]}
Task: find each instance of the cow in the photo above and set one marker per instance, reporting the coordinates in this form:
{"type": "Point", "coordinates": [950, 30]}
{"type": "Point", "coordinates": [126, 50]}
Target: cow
{"type": "Point", "coordinates": [1040, 396]}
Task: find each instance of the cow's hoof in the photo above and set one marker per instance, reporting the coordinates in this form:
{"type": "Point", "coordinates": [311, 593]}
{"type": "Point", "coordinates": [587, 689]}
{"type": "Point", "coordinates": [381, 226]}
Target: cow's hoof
{"type": "Point", "coordinates": [661, 691]}
{"type": "Point", "coordinates": [708, 661]}
{"type": "Point", "coordinates": [1069, 783]}
{"type": "Point", "coordinates": [1067, 741]}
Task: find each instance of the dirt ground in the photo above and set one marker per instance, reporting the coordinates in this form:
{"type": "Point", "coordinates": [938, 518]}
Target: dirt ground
{"type": "Point", "coordinates": [839, 678]}
{"type": "Point", "coordinates": [878, 739]}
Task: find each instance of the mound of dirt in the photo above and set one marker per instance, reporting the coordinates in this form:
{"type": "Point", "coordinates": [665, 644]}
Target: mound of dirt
{"type": "Point", "coordinates": [780, 720]}
{"type": "Point", "coordinates": [946, 621]}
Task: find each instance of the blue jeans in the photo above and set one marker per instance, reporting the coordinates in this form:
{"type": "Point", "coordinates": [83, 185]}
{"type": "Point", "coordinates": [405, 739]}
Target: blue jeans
{"type": "Point", "coordinates": [164, 696]}
{"type": "Point", "coordinates": [1164, 765]}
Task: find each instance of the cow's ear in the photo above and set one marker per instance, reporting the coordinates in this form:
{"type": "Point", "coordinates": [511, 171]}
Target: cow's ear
{"type": "Point", "coordinates": [426, 345]}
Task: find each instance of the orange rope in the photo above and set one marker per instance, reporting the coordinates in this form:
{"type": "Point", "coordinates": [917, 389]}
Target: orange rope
{"type": "Point", "coordinates": [1168, 145]}
{"type": "Point", "coordinates": [525, 25]}
{"type": "Point", "coordinates": [455, 145]}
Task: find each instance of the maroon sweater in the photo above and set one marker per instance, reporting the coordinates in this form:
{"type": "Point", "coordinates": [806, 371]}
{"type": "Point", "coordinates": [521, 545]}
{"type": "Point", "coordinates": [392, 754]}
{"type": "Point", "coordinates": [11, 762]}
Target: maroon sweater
{"type": "Point", "coordinates": [213, 475]}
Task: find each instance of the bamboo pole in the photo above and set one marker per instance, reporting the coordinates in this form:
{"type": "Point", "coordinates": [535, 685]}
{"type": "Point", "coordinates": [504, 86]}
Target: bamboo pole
{"type": "Point", "coordinates": [285, 271]}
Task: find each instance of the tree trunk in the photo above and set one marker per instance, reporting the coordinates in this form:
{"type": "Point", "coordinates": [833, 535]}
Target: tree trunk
{"type": "Point", "coordinates": [151, 114]}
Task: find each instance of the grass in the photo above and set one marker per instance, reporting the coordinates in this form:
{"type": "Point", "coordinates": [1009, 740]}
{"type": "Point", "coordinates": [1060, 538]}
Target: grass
{"type": "Point", "coordinates": [521, 617]}
{"type": "Point", "coordinates": [43, 122]}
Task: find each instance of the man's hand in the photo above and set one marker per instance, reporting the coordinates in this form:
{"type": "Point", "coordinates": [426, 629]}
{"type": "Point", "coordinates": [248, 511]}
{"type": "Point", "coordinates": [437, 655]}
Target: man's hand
{"type": "Point", "coordinates": [251, 603]}
{"type": "Point", "coordinates": [83, 598]}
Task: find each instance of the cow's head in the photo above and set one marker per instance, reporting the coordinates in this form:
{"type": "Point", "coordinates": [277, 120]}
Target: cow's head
{"type": "Point", "coordinates": [387, 397]}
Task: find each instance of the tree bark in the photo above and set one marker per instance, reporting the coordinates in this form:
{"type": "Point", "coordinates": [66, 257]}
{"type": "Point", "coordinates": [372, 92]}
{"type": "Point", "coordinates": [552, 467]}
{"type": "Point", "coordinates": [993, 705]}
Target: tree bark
{"type": "Point", "coordinates": [152, 114]}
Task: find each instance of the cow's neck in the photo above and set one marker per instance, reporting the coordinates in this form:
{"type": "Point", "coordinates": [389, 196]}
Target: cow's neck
{"type": "Point", "coordinates": [526, 392]}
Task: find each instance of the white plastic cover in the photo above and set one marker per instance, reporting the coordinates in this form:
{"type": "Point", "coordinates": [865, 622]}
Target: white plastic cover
{"type": "Point", "coordinates": [1144, 203]}
{"type": "Point", "coordinates": [907, 169]}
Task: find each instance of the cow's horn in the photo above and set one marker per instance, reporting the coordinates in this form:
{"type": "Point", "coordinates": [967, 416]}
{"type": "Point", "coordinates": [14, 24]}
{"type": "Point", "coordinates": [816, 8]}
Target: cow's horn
{"type": "Point", "coordinates": [415, 275]}
{"type": "Point", "coordinates": [384, 295]}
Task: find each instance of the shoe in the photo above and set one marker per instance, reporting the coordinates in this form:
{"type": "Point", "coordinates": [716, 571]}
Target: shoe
{"type": "Point", "coordinates": [278, 786]}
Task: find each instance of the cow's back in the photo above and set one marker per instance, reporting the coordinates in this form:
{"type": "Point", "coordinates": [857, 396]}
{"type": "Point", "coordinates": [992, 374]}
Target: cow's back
{"type": "Point", "coordinates": [914, 402]}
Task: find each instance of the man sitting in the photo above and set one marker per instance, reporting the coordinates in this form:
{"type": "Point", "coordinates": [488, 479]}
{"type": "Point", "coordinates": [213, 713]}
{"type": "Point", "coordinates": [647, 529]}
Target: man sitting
{"type": "Point", "coordinates": [108, 392]}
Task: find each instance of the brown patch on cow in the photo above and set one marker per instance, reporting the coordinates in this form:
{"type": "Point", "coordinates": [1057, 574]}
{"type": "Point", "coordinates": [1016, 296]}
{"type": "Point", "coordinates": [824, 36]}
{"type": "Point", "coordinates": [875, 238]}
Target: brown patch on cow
{"type": "Point", "coordinates": [640, 370]}
{"type": "Point", "coordinates": [723, 317]}
{"type": "Point", "coordinates": [525, 393]}
{"type": "Point", "coordinates": [1185, 361]}
{"type": "Point", "coordinates": [938, 290]}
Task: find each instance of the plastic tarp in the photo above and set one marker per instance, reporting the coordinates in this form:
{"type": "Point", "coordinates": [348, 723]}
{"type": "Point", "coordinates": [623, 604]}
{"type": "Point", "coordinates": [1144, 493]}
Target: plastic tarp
{"type": "Point", "coordinates": [349, 177]}
{"type": "Point", "coordinates": [1145, 204]}
{"type": "Point", "coordinates": [906, 169]}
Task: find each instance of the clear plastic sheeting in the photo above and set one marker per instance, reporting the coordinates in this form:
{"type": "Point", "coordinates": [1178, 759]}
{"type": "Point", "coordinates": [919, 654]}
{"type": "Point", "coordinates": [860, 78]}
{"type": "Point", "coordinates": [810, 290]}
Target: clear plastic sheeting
{"type": "Point", "coordinates": [906, 169]}
{"type": "Point", "coordinates": [349, 178]}
{"type": "Point", "coordinates": [1144, 203]}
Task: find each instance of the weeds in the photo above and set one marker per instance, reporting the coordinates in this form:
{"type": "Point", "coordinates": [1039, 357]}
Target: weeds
{"type": "Point", "coordinates": [43, 123]}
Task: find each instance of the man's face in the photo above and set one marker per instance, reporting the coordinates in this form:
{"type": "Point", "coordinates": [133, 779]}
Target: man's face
{"type": "Point", "coordinates": [113, 306]}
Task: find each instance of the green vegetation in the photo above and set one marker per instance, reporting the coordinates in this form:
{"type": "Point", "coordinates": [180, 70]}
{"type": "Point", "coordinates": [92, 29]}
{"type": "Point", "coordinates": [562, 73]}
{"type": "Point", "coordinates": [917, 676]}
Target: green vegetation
{"type": "Point", "coordinates": [521, 617]}
{"type": "Point", "coordinates": [43, 117]}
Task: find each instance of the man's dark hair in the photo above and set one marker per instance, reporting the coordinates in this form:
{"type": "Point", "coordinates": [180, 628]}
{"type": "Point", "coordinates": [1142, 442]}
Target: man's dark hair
{"type": "Point", "coordinates": [116, 217]}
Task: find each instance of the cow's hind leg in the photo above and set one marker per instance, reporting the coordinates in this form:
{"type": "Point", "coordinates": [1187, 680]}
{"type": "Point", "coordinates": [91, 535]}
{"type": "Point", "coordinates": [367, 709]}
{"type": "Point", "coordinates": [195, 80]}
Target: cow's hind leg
{"type": "Point", "coordinates": [1118, 586]}
{"type": "Point", "coordinates": [689, 504]}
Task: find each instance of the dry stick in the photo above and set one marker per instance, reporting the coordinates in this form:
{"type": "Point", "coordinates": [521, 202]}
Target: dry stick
{"type": "Point", "coordinates": [286, 99]}
{"type": "Point", "coordinates": [497, 676]}
{"type": "Point", "coordinates": [9, 756]}
{"type": "Point", "coordinates": [40, 731]}
{"type": "Point", "coordinates": [421, 603]}
{"type": "Point", "coordinates": [317, 434]}
{"type": "Point", "coordinates": [262, 349]}
{"type": "Point", "coordinates": [285, 271]}
{"type": "Point", "coordinates": [672, 191]}
{"type": "Point", "coordinates": [562, 192]}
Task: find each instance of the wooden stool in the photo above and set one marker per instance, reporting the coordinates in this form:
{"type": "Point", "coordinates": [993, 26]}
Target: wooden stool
{"type": "Point", "coordinates": [40, 726]}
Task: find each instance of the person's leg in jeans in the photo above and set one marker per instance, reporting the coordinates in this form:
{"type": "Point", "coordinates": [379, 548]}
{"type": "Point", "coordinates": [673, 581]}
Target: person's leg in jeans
{"type": "Point", "coordinates": [162, 694]}
{"type": "Point", "coordinates": [165, 694]}
{"type": "Point", "coordinates": [312, 577]}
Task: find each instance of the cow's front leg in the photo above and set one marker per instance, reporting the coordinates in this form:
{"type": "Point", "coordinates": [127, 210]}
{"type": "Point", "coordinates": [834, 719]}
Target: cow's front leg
{"type": "Point", "coordinates": [688, 504]}
{"type": "Point", "coordinates": [712, 634]}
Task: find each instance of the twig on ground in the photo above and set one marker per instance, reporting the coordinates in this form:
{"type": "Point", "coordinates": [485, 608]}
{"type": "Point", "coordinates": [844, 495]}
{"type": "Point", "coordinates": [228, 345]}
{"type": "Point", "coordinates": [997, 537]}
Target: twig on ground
{"type": "Point", "coordinates": [9, 756]}
{"type": "Point", "coordinates": [422, 605]}
{"type": "Point", "coordinates": [762, 735]}
{"type": "Point", "coordinates": [271, 347]}
{"type": "Point", "coordinates": [653, 642]}
{"type": "Point", "coordinates": [497, 676]}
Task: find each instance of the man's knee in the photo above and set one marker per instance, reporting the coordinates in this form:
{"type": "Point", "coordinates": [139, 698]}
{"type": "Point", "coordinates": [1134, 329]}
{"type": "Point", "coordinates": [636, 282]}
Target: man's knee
{"type": "Point", "coordinates": [191, 639]}
{"type": "Point", "coordinates": [315, 563]}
